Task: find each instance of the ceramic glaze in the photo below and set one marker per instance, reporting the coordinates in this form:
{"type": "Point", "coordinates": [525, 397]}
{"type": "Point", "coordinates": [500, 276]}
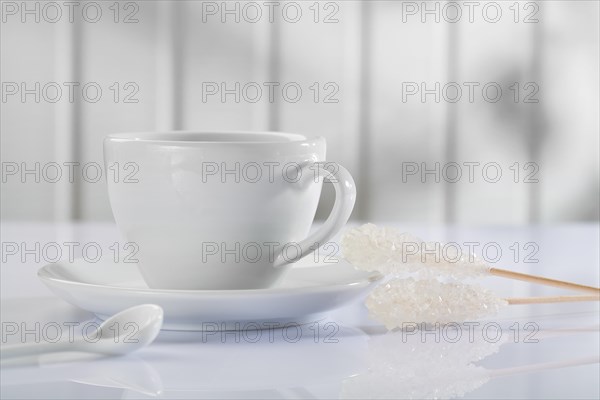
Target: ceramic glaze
{"type": "Point", "coordinates": [222, 210]}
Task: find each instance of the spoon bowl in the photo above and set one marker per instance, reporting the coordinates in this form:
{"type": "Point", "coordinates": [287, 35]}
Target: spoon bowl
{"type": "Point", "coordinates": [124, 332]}
{"type": "Point", "coordinates": [128, 330]}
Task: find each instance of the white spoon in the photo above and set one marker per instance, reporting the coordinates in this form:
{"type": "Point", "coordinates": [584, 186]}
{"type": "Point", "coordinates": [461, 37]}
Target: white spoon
{"type": "Point", "coordinates": [114, 337]}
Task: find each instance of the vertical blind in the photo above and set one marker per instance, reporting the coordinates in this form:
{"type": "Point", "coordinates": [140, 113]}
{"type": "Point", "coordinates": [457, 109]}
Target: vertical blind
{"type": "Point", "coordinates": [406, 93]}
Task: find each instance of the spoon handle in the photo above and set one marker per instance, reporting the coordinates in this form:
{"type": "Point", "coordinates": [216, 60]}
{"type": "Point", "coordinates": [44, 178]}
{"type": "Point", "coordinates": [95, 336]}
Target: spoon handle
{"type": "Point", "coordinates": [29, 349]}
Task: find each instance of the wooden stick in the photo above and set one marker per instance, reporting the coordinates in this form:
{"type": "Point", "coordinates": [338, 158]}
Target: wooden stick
{"type": "Point", "coordinates": [550, 299]}
{"type": "Point", "coordinates": [543, 366]}
{"type": "Point", "coordinates": [544, 281]}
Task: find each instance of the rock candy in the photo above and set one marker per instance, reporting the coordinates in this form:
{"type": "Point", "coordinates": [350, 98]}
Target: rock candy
{"type": "Point", "coordinates": [416, 301]}
{"type": "Point", "coordinates": [392, 252]}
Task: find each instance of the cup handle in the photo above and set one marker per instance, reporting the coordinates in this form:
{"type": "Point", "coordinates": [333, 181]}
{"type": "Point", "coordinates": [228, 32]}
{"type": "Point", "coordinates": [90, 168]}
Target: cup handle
{"type": "Point", "coordinates": [345, 196]}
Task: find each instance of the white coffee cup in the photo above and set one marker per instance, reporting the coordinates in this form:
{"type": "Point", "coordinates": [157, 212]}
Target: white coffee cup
{"type": "Point", "coordinates": [228, 210]}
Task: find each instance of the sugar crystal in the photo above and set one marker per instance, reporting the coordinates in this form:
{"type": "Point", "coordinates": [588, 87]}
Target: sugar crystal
{"type": "Point", "coordinates": [395, 253]}
{"type": "Point", "coordinates": [430, 301]}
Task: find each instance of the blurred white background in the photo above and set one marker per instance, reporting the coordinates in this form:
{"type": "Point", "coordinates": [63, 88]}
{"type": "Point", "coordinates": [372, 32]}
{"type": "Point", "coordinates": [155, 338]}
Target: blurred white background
{"type": "Point", "coordinates": [379, 80]}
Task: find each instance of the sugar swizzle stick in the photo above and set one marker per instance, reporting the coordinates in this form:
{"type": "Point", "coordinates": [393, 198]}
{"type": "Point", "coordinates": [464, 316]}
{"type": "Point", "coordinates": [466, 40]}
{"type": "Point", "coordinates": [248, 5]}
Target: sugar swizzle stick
{"type": "Point", "coordinates": [392, 252]}
{"type": "Point", "coordinates": [431, 301]}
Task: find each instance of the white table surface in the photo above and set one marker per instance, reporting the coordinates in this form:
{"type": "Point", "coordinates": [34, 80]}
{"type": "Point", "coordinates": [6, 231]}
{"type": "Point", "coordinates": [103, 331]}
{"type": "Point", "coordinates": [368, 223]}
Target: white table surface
{"type": "Point", "coordinates": [360, 361]}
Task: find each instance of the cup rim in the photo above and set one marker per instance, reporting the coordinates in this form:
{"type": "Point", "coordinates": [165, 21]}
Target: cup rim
{"type": "Point", "coordinates": [194, 137]}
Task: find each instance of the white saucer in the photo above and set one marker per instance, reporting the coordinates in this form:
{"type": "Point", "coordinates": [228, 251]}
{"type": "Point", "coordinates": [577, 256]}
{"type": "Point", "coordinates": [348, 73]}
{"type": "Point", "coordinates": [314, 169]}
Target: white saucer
{"type": "Point", "coordinates": [305, 293]}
